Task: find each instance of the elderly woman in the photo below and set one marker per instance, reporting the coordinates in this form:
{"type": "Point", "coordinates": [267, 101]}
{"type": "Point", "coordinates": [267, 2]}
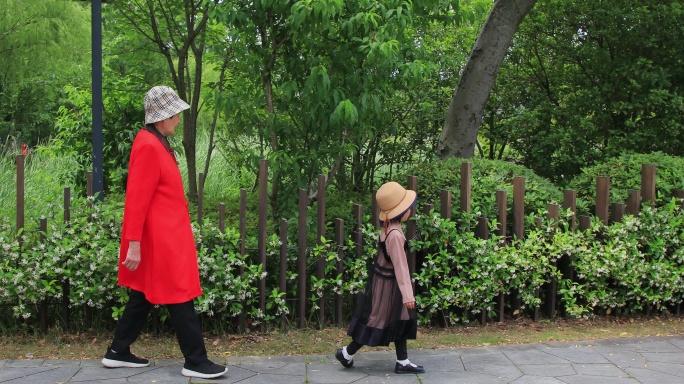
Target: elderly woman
{"type": "Point", "coordinates": [158, 259]}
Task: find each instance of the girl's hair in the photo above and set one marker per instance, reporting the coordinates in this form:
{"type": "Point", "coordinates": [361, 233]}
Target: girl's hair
{"type": "Point", "coordinates": [385, 224]}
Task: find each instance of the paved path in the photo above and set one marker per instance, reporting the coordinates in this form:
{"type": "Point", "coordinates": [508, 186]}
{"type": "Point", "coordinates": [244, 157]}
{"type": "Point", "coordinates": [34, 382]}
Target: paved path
{"type": "Point", "coordinates": [657, 360]}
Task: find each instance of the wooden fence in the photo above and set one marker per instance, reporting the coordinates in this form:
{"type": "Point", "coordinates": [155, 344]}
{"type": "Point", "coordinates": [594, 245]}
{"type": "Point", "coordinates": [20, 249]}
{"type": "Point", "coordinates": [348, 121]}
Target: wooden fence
{"type": "Point", "coordinates": [605, 211]}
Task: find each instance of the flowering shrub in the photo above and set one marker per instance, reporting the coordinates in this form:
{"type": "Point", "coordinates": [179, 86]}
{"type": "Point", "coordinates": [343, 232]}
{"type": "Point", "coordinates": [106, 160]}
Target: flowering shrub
{"type": "Point", "coordinates": [628, 267]}
{"type": "Point", "coordinates": [84, 254]}
{"type": "Point", "coordinates": [631, 265]}
{"type": "Point", "coordinates": [463, 274]}
{"type": "Point", "coordinates": [224, 288]}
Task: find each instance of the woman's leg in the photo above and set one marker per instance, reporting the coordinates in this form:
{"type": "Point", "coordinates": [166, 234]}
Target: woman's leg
{"type": "Point", "coordinates": [131, 323]}
{"type": "Point", "coordinates": [188, 332]}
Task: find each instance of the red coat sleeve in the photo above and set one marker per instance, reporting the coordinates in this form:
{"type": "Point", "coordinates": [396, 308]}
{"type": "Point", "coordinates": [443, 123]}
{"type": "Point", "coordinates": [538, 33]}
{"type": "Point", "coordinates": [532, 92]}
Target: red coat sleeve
{"type": "Point", "coordinates": [143, 177]}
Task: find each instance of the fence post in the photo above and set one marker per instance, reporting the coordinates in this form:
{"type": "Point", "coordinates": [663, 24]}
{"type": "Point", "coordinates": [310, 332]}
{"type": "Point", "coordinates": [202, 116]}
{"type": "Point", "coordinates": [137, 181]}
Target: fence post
{"type": "Point", "coordinates": [320, 263]}
{"type": "Point", "coordinates": [21, 183]}
{"type": "Point", "coordinates": [445, 204]}
{"type": "Point", "coordinates": [411, 230]}
{"type": "Point", "coordinates": [466, 186]}
{"type": "Point", "coordinates": [222, 219]}
{"type": "Point", "coordinates": [617, 212]}
{"type": "Point", "coordinates": [222, 228]}
{"type": "Point", "coordinates": [263, 202]}
{"type": "Point", "coordinates": [243, 247]}
{"type": "Point", "coordinates": [679, 194]}
{"type": "Point", "coordinates": [200, 199]}
{"type": "Point", "coordinates": [65, 284]}
{"type": "Point", "coordinates": [602, 198]}
{"type": "Point", "coordinates": [358, 236]}
{"type": "Point", "coordinates": [538, 222]}
{"type": "Point", "coordinates": [554, 215]}
{"type": "Point", "coordinates": [43, 303]}
{"type": "Point", "coordinates": [536, 312]}
{"type": "Point", "coordinates": [519, 207]}
{"type": "Point", "coordinates": [482, 232]}
{"type": "Point", "coordinates": [570, 202]}
{"type": "Point", "coordinates": [375, 210]}
{"type": "Point", "coordinates": [584, 222]}
{"type": "Point", "coordinates": [633, 202]}
{"type": "Point", "coordinates": [301, 258]}
{"type": "Point", "coordinates": [648, 183]}
{"type": "Point", "coordinates": [283, 269]}
{"type": "Point", "coordinates": [502, 212]}
{"type": "Point", "coordinates": [89, 190]}
{"type": "Point", "coordinates": [518, 228]}
{"type": "Point", "coordinates": [67, 204]}
{"type": "Point", "coordinates": [339, 240]}
{"type": "Point", "coordinates": [482, 228]}
{"type": "Point", "coordinates": [89, 194]}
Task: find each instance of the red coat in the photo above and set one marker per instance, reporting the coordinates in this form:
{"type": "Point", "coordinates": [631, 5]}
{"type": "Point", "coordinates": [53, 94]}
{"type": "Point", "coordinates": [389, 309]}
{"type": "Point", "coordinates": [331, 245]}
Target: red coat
{"type": "Point", "coordinates": [156, 214]}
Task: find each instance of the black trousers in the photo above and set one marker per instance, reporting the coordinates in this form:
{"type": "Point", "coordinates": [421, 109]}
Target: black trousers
{"type": "Point", "coordinates": [183, 318]}
{"type": "Point", "coordinates": [400, 345]}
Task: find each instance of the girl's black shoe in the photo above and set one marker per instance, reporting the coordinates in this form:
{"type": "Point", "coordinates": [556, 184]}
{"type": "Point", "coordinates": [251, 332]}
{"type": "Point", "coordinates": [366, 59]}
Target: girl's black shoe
{"type": "Point", "coordinates": [340, 357]}
{"type": "Point", "coordinates": [408, 368]}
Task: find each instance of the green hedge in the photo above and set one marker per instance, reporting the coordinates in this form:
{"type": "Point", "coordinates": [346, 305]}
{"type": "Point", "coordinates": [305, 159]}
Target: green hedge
{"type": "Point", "coordinates": [627, 266]}
{"type": "Point", "coordinates": [625, 174]}
{"type": "Point", "coordinates": [488, 176]}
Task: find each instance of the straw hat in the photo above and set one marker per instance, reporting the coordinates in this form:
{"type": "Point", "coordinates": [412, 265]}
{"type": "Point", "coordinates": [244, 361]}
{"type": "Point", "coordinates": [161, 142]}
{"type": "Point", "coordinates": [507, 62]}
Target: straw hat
{"type": "Point", "coordinates": [162, 102]}
{"type": "Point", "coordinates": [393, 200]}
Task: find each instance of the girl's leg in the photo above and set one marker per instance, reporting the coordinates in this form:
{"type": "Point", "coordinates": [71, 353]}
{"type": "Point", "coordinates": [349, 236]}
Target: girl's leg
{"type": "Point", "coordinates": [402, 349]}
{"type": "Point", "coordinates": [404, 365]}
{"type": "Point", "coordinates": [353, 347]}
{"type": "Point", "coordinates": [346, 355]}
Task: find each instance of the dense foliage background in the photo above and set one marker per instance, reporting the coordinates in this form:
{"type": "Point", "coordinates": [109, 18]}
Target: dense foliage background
{"type": "Point", "coordinates": [356, 91]}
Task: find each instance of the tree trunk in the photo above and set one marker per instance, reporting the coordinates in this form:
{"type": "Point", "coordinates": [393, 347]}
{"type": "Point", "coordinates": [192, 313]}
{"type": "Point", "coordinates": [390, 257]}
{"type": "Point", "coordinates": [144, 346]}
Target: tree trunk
{"type": "Point", "coordinates": [459, 134]}
{"type": "Point", "coordinates": [175, 39]}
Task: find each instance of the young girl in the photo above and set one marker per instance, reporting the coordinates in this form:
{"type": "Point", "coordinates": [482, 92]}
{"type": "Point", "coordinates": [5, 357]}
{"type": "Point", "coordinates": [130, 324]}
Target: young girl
{"type": "Point", "coordinates": [385, 311]}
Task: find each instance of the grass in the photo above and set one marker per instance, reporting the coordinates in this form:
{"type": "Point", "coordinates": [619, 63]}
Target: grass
{"type": "Point", "coordinates": [91, 345]}
{"type": "Point", "coordinates": [46, 177]}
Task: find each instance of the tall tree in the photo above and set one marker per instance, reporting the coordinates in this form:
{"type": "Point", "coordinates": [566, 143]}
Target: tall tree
{"type": "Point", "coordinates": [178, 30]}
{"type": "Point", "coordinates": [336, 82]}
{"type": "Point", "coordinates": [590, 80]}
{"type": "Point", "coordinates": [463, 119]}
{"type": "Point", "coordinates": [43, 45]}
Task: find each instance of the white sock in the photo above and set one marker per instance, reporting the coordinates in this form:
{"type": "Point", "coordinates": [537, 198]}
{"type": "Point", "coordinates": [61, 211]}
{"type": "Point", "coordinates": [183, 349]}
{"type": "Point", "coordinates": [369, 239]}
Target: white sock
{"type": "Point", "coordinates": [406, 362]}
{"type": "Point", "coordinates": [346, 355]}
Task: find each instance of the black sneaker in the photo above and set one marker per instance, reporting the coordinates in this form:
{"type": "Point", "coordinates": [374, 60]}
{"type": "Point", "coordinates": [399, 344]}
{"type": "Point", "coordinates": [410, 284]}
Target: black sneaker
{"type": "Point", "coordinates": [340, 357]}
{"type": "Point", "coordinates": [204, 370]}
{"type": "Point", "coordinates": [123, 360]}
{"type": "Point", "coordinates": [408, 368]}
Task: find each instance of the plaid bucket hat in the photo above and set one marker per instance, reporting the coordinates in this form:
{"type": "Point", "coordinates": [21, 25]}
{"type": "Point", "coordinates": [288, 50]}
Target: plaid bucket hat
{"type": "Point", "coordinates": [162, 102]}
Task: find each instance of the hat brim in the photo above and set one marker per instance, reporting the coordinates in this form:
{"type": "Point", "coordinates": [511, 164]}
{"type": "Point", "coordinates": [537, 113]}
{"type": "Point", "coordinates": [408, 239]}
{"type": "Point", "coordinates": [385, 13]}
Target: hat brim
{"type": "Point", "coordinates": [407, 202]}
{"type": "Point", "coordinates": [170, 110]}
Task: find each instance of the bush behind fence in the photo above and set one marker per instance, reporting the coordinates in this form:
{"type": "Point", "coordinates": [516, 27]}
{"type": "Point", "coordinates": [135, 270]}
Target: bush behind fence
{"type": "Point", "coordinates": [465, 268]}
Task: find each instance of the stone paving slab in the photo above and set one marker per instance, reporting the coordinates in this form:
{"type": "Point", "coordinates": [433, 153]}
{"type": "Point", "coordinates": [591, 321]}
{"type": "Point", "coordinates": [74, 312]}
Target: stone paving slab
{"type": "Point", "coordinates": [652, 360]}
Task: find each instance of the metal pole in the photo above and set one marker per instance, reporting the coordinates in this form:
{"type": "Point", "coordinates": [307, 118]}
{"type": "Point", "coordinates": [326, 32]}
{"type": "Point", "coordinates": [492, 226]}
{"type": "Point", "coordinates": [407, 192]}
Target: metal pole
{"type": "Point", "coordinates": [98, 190]}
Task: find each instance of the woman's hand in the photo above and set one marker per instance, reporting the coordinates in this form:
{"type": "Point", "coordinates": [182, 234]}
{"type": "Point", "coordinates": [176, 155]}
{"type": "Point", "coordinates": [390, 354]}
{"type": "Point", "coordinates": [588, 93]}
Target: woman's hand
{"type": "Point", "coordinates": [410, 305]}
{"type": "Point", "coordinates": [132, 256]}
